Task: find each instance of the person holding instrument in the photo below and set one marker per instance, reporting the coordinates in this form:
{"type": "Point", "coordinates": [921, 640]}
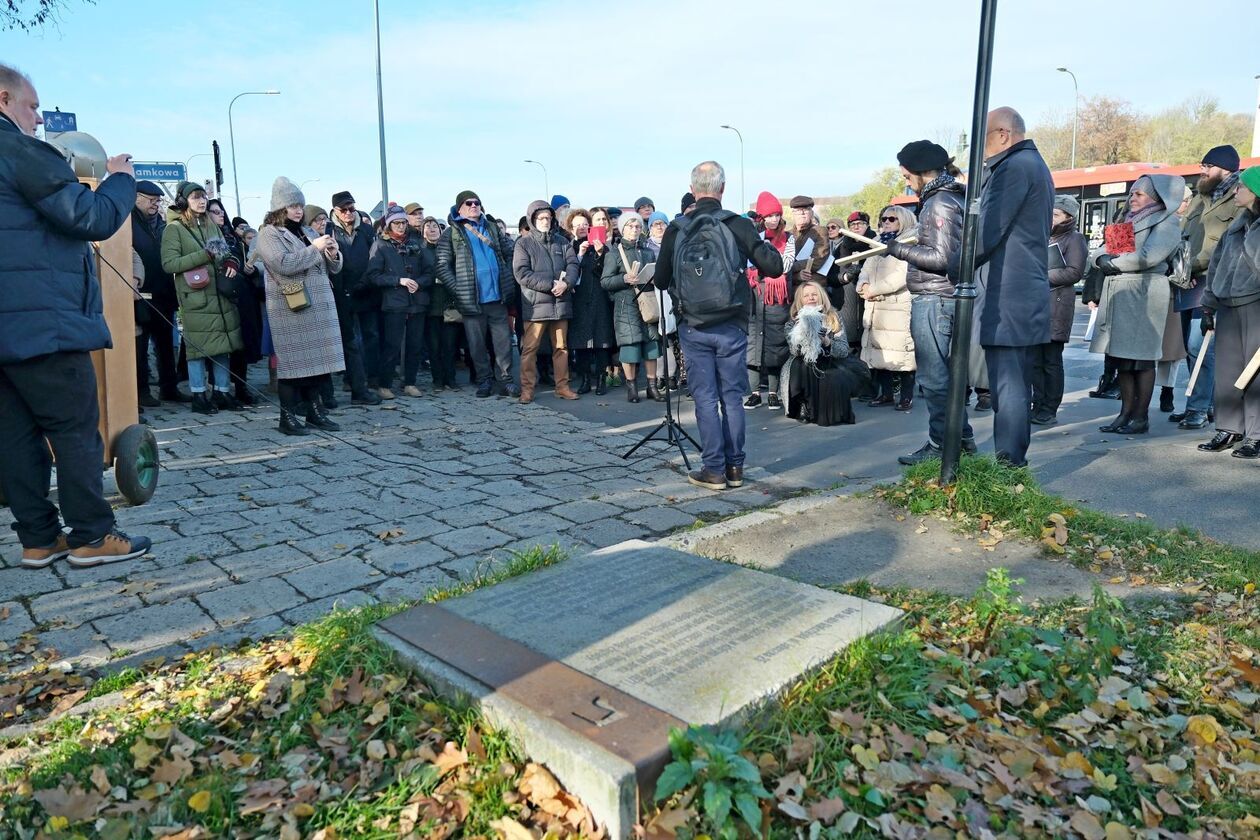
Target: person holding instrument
{"type": "Point", "coordinates": [51, 319]}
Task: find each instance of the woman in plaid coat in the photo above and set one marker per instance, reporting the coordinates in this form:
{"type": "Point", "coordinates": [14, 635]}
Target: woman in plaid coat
{"type": "Point", "coordinates": [308, 340]}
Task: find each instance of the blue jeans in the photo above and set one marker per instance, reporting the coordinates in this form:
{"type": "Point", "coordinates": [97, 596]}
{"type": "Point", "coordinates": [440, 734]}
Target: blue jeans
{"type": "Point", "coordinates": [718, 376]}
{"type": "Point", "coordinates": [931, 327]}
{"type": "Point", "coordinates": [197, 374]}
{"type": "Point", "coordinates": [1202, 397]}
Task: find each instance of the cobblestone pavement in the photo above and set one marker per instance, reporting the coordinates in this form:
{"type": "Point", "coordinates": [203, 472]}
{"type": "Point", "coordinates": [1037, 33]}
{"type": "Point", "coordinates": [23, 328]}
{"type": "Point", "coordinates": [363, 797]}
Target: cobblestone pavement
{"type": "Point", "coordinates": [254, 531]}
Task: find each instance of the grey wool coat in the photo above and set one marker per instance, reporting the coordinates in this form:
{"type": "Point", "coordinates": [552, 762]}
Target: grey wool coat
{"type": "Point", "coordinates": [308, 343]}
{"type": "Point", "coordinates": [1134, 304]}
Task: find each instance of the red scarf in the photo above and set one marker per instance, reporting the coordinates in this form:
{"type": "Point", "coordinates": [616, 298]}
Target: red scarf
{"type": "Point", "coordinates": [774, 290]}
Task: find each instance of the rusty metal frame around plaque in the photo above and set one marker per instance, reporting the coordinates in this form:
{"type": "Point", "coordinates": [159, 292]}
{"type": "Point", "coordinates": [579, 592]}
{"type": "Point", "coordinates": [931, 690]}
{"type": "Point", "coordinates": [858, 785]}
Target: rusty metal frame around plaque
{"type": "Point", "coordinates": [625, 726]}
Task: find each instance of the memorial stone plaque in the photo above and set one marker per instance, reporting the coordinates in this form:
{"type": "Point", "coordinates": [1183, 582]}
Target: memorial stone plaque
{"type": "Point", "coordinates": [617, 646]}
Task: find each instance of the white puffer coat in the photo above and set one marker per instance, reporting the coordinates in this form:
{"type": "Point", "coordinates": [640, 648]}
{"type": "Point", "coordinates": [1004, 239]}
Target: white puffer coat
{"type": "Point", "coordinates": [886, 341]}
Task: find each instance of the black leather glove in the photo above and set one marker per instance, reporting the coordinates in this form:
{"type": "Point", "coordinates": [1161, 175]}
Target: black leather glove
{"type": "Point", "coordinates": [1105, 265]}
{"type": "Point", "coordinates": [1207, 322]}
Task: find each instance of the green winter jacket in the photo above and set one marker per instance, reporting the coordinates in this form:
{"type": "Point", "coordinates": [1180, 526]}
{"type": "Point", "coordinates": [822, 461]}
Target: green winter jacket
{"type": "Point", "coordinates": [211, 324]}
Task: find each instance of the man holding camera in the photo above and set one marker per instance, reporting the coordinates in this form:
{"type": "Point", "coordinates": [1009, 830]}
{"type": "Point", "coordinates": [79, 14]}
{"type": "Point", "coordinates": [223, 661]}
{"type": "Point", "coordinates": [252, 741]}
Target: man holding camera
{"type": "Point", "coordinates": [51, 319]}
{"type": "Point", "coordinates": [704, 255]}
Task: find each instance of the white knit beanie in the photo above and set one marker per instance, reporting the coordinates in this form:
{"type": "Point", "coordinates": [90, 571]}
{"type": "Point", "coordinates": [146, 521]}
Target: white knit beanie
{"type": "Point", "coordinates": [285, 193]}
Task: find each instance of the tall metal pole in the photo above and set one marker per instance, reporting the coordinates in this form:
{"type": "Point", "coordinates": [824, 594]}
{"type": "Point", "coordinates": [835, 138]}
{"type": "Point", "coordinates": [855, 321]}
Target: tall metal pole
{"type": "Point", "coordinates": [1255, 132]}
{"type": "Point", "coordinates": [1076, 110]}
{"type": "Point", "coordinates": [380, 106]}
{"type": "Point", "coordinates": [965, 293]}
{"type": "Point", "coordinates": [743, 206]}
{"type": "Point", "coordinates": [546, 183]}
{"type": "Point", "coordinates": [236, 185]}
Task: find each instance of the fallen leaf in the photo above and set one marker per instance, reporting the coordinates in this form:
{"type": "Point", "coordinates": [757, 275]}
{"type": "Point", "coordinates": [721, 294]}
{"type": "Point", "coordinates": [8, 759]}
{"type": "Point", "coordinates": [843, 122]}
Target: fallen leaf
{"type": "Point", "coordinates": [172, 770]}
{"type": "Point", "coordinates": [1204, 729]}
{"type": "Point", "coordinates": [375, 750]}
{"type": "Point", "coordinates": [380, 711]}
{"type": "Point", "coordinates": [1088, 826]}
{"type": "Point", "coordinates": [801, 749]}
{"type": "Point", "coordinates": [826, 810]}
{"type": "Point", "coordinates": [510, 829]}
{"type": "Point", "coordinates": [451, 757]}
{"type": "Point", "coordinates": [100, 780]}
{"type": "Point", "coordinates": [74, 805]}
{"type": "Point", "coordinates": [143, 752]}
{"type": "Point", "coordinates": [200, 801]}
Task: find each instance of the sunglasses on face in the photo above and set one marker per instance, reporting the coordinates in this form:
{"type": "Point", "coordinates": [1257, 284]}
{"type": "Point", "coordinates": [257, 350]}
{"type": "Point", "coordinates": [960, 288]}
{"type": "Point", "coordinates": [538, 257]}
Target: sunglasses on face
{"type": "Point", "coordinates": [472, 202]}
{"type": "Point", "coordinates": [346, 210]}
{"type": "Point", "coordinates": [888, 219]}
{"type": "Point", "coordinates": [833, 227]}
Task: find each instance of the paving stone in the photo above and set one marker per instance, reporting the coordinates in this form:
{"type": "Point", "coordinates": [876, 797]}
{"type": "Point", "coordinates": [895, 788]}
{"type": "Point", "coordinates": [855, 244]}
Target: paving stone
{"type": "Point", "coordinates": [108, 571]}
{"type": "Point", "coordinates": [342, 485]}
{"type": "Point", "coordinates": [186, 549]}
{"type": "Point", "coordinates": [570, 546]}
{"type": "Point", "coordinates": [278, 513]}
{"type": "Point", "coordinates": [213, 507]}
{"type": "Point", "coordinates": [151, 512]}
{"type": "Point", "coordinates": [19, 582]}
{"type": "Point", "coordinates": [231, 486]}
{"type": "Point", "coordinates": [474, 540]}
{"type": "Point", "coordinates": [710, 508]}
{"type": "Point", "coordinates": [265, 534]}
{"type": "Point", "coordinates": [322, 524]}
{"type": "Point", "coordinates": [80, 645]}
{"type": "Point", "coordinates": [474, 514]}
{"type": "Point", "coordinates": [74, 606]}
{"type": "Point", "coordinates": [531, 524]}
{"type": "Point", "coordinates": [660, 519]}
{"type": "Point", "coordinates": [292, 494]}
{"type": "Point", "coordinates": [607, 532]}
{"type": "Point", "coordinates": [630, 499]}
{"type": "Point", "coordinates": [252, 600]}
{"type": "Point", "coordinates": [333, 546]}
{"type": "Point", "coordinates": [400, 559]}
{"type": "Point", "coordinates": [585, 511]}
{"type": "Point", "coordinates": [263, 562]}
{"type": "Point", "coordinates": [16, 621]}
{"type": "Point", "coordinates": [323, 579]}
{"type": "Point", "coordinates": [181, 581]}
{"type": "Point", "coordinates": [230, 637]}
{"type": "Point", "coordinates": [153, 627]}
{"type": "Point", "coordinates": [529, 500]}
{"type": "Point", "coordinates": [318, 609]}
{"type": "Point", "coordinates": [414, 585]}
{"type": "Point", "coordinates": [413, 528]}
{"type": "Point", "coordinates": [210, 523]}
{"type": "Point", "coordinates": [474, 566]}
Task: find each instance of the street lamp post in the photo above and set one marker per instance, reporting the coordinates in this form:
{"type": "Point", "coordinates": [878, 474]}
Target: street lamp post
{"type": "Point", "coordinates": [743, 207]}
{"type": "Point", "coordinates": [1076, 110]}
{"type": "Point", "coordinates": [308, 181]}
{"type": "Point", "coordinates": [1255, 131]}
{"type": "Point", "coordinates": [380, 108]}
{"type": "Point", "coordinates": [546, 184]}
{"type": "Point", "coordinates": [965, 291]}
{"type": "Point", "coordinates": [236, 185]}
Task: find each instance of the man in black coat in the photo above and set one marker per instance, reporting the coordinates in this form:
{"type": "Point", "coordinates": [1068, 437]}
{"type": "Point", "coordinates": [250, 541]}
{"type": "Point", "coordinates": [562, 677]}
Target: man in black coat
{"type": "Point", "coordinates": [1013, 309]}
{"type": "Point", "coordinates": [51, 319]}
{"type": "Point", "coordinates": [147, 225]}
{"type": "Point", "coordinates": [360, 330]}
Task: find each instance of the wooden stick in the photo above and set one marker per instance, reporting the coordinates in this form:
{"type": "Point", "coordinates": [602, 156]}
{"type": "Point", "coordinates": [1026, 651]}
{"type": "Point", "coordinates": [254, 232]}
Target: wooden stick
{"type": "Point", "coordinates": [1244, 379]}
{"type": "Point", "coordinates": [1198, 363]}
{"type": "Point", "coordinates": [879, 249]}
{"type": "Point", "coordinates": [860, 238]}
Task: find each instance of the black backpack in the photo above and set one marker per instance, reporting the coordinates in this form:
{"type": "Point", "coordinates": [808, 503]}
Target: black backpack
{"type": "Point", "coordinates": [709, 282]}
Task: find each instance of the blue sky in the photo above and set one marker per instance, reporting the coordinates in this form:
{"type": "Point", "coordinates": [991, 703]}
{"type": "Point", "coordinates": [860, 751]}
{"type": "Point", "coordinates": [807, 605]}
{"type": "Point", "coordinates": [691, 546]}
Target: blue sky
{"type": "Point", "coordinates": [606, 96]}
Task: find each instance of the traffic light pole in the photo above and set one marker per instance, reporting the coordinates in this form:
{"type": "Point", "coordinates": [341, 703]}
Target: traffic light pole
{"type": "Point", "coordinates": [965, 292]}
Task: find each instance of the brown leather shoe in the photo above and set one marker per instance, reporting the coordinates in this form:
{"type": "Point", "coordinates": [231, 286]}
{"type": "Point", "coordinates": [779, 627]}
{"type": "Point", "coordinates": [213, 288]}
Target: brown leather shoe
{"type": "Point", "coordinates": [707, 479]}
{"type": "Point", "coordinates": [38, 558]}
{"type": "Point", "coordinates": [567, 394]}
{"type": "Point", "coordinates": [734, 476]}
{"type": "Point", "coordinates": [111, 548]}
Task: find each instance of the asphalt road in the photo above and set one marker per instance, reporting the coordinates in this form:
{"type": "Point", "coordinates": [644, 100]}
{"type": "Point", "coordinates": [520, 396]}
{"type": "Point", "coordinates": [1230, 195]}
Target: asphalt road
{"type": "Point", "coordinates": [1160, 474]}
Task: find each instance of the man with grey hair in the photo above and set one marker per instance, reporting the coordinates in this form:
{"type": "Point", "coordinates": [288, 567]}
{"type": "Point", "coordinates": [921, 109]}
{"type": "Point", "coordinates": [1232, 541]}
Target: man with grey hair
{"type": "Point", "coordinates": [704, 255]}
{"type": "Point", "coordinates": [50, 321]}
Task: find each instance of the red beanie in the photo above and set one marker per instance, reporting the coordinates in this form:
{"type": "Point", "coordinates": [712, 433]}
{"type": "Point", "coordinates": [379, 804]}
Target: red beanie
{"type": "Point", "coordinates": [768, 205]}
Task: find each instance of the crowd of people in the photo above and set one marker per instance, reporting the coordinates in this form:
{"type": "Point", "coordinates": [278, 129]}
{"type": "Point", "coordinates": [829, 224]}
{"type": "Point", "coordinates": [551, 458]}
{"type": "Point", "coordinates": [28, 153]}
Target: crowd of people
{"type": "Point", "coordinates": [713, 303]}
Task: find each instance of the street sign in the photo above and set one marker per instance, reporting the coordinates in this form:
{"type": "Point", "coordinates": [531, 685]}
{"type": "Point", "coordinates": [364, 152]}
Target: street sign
{"type": "Point", "coordinates": [154, 171]}
{"type": "Point", "coordinates": [59, 121]}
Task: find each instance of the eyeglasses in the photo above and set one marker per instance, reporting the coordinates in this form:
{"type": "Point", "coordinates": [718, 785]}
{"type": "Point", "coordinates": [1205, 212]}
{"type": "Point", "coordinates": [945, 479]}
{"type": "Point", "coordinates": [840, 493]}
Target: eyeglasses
{"type": "Point", "coordinates": [349, 209]}
{"type": "Point", "coordinates": [472, 202]}
{"type": "Point", "coordinates": [889, 219]}
{"type": "Point", "coordinates": [833, 227]}
{"type": "Point", "coordinates": [856, 223]}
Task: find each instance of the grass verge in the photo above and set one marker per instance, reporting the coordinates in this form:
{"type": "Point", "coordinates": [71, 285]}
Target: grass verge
{"type": "Point", "coordinates": [322, 734]}
{"type": "Point", "coordinates": [987, 716]}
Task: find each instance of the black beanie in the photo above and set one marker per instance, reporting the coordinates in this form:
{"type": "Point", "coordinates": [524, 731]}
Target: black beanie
{"type": "Point", "coordinates": [464, 196]}
{"type": "Point", "coordinates": [923, 156]}
{"type": "Point", "coordinates": [687, 200]}
{"type": "Point", "coordinates": [1226, 157]}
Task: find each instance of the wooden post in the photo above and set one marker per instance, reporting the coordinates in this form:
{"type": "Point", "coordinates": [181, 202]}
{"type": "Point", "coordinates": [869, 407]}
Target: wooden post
{"type": "Point", "coordinates": [1198, 363]}
{"type": "Point", "coordinates": [116, 387]}
{"type": "Point", "coordinates": [1249, 372]}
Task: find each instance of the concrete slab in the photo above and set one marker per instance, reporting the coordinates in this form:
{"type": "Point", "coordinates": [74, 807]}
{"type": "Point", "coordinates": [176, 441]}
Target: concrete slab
{"type": "Point", "coordinates": [668, 633]}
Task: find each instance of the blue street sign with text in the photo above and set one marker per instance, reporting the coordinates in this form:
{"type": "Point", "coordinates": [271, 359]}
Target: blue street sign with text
{"type": "Point", "coordinates": [58, 121]}
{"type": "Point", "coordinates": [160, 171]}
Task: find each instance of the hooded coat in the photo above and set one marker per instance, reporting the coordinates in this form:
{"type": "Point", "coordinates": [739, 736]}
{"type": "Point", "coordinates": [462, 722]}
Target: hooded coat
{"type": "Point", "coordinates": [1134, 304]}
{"type": "Point", "coordinates": [627, 321]}
{"type": "Point", "coordinates": [1234, 273]}
{"type": "Point", "coordinates": [211, 324]}
{"type": "Point", "coordinates": [538, 261]}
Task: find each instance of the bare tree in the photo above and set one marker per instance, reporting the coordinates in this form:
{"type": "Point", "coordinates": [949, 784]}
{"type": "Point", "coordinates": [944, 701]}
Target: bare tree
{"type": "Point", "coordinates": [30, 15]}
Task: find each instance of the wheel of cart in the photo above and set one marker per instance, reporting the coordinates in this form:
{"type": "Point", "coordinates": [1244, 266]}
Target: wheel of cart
{"type": "Point", "coordinates": [136, 463]}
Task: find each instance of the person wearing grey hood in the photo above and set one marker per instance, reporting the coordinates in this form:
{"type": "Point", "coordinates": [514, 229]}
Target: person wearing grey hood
{"type": "Point", "coordinates": [546, 269]}
{"type": "Point", "coordinates": [1134, 304]}
{"type": "Point", "coordinates": [1231, 307]}
{"type": "Point", "coordinates": [1068, 251]}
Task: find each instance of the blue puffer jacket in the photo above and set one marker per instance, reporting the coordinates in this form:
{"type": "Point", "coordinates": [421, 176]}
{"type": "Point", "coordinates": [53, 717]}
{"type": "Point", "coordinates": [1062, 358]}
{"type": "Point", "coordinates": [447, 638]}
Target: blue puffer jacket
{"type": "Point", "coordinates": [50, 298]}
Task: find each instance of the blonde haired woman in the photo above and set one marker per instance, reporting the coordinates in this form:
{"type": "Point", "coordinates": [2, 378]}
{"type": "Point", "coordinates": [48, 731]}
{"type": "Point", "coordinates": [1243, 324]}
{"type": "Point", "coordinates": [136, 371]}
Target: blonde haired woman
{"type": "Point", "coordinates": [887, 347]}
{"type": "Point", "coordinates": [818, 380]}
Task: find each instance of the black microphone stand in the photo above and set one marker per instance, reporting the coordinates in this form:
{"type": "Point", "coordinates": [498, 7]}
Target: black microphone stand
{"type": "Point", "coordinates": [675, 434]}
